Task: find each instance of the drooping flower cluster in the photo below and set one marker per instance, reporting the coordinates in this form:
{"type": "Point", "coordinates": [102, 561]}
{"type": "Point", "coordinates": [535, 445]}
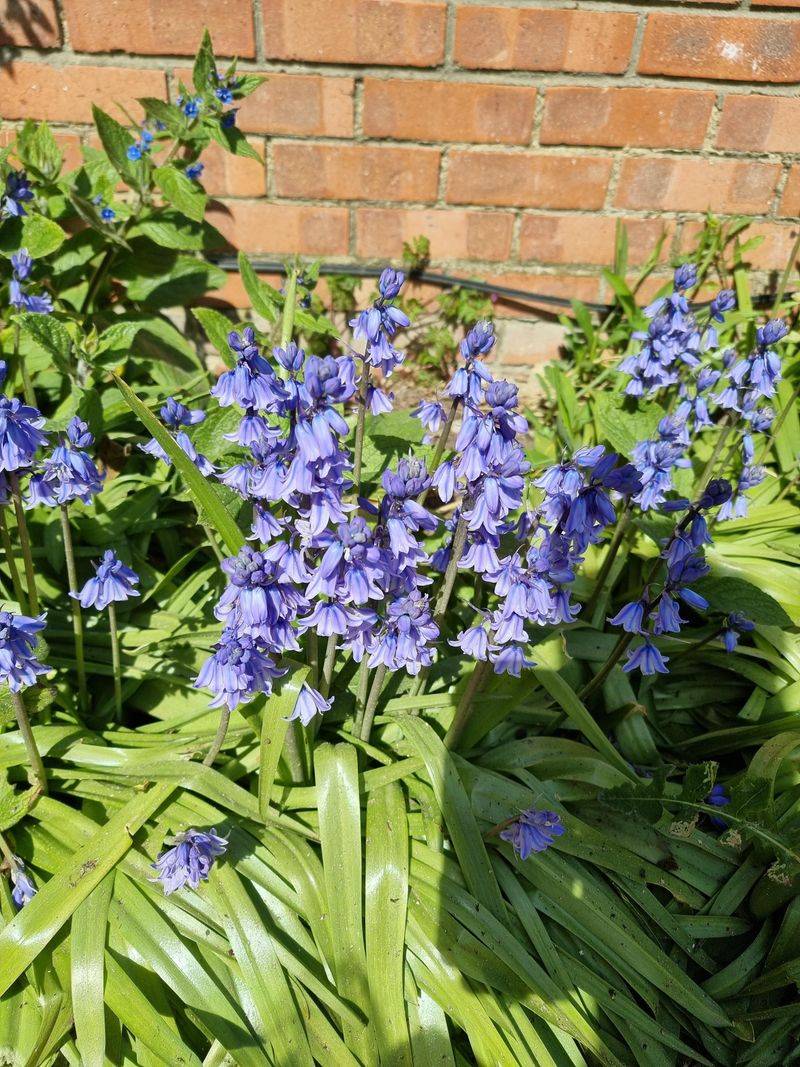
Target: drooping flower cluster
{"type": "Point", "coordinates": [18, 295]}
{"type": "Point", "coordinates": [68, 473]}
{"type": "Point", "coordinates": [189, 860]}
{"type": "Point", "coordinates": [378, 324]}
{"type": "Point", "coordinates": [112, 582]}
{"type": "Point", "coordinates": [176, 415]}
{"type": "Point", "coordinates": [16, 194]}
{"type": "Point", "coordinates": [21, 435]}
{"type": "Point", "coordinates": [19, 665]}
{"type": "Point", "coordinates": [142, 146]}
{"type": "Point", "coordinates": [24, 889]}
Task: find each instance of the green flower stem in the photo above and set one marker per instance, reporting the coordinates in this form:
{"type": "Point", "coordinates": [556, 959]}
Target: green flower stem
{"type": "Point", "coordinates": [464, 709]}
{"type": "Point", "coordinates": [37, 773]}
{"type": "Point", "coordinates": [328, 665]}
{"type": "Point", "coordinates": [441, 444]}
{"type": "Point", "coordinates": [293, 753]}
{"type": "Point", "coordinates": [358, 446]}
{"type": "Point", "coordinates": [19, 360]}
{"type": "Point", "coordinates": [77, 615]}
{"type": "Point", "coordinates": [361, 695]}
{"type": "Point", "coordinates": [312, 658]}
{"type": "Point", "coordinates": [450, 575]}
{"type": "Point", "coordinates": [213, 541]}
{"type": "Point", "coordinates": [372, 703]}
{"type": "Point", "coordinates": [219, 737]}
{"type": "Point", "coordinates": [613, 548]}
{"type": "Point", "coordinates": [287, 322]}
{"type": "Point", "coordinates": [7, 854]}
{"type": "Point", "coordinates": [115, 660]}
{"type": "Point", "coordinates": [24, 543]}
{"type": "Point", "coordinates": [13, 569]}
{"type": "Point", "coordinates": [708, 470]}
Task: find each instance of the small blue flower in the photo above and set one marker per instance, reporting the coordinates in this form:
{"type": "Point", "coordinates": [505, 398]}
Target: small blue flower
{"type": "Point", "coordinates": [190, 859]}
{"type": "Point", "coordinates": [237, 670]}
{"type": "Point", "coordinates": [195, 171]}
{"type": "Point", "coordinates": [735, 625]}
{"type": "Point", "coordinates": [229, 118]}
{"type": "Point", "coordinates": [718, 798]}
{"type": "Point", "coordinates": [532, 831]}
{"type": "Point", "coordinates": [20, 434]}
{"type": "Point", "coordinates": [192, 106]}
{"type": "Point", "coordinates": [309, 703]}
{"type": "Point", "coordinates": [134, 152]}
{"type": "Point", "coordinates": [108, 214]}
{"type": "Point", "coordinates": [24, 890]}
{"type": "Point", "coordinates": [19, 666]}
{"type": "Point", "coordinates": [113, 582]}
{"type": "Point", "coordinates": [647, 659]}
{"type": "Point", "coordinates": [17, 192]}
{"type": "Point", "coordinates": [630, 617]}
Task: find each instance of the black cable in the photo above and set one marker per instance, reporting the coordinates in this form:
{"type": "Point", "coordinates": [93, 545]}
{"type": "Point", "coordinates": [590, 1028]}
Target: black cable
{"type": "Point", "coordinates": [523, 297]}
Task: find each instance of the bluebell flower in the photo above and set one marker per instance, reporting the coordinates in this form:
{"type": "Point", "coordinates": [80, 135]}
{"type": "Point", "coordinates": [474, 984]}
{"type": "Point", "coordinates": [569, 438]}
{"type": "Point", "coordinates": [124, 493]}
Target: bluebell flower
{"type": "Point", "coordinates": [69, 472]}
{"type": "Point", "coordinates": [18, 295]}
{"type": "Point", "coordinates": [17, 193]}
{"type": "Point", "coordinates": [309, 703]}
{"type": "Point", "coordinates": [404, 640]}
{"type": "Point", "coordinates": [20, 434]}
{"type": "Point", "coordinates": [112, 582]}
{"type": "Point", "coordinates": [189, 860]}
{"type": "Point", "coordinates": [735, 625]}
{"type": "Point", "coordinates": [224, 94]}
{"type": "Point", "coordinates": [630, 617]}
{"type": "Point", "coordinates": [19, 666]}
{"type": "Point", "coordinates": [511, 659]}
{"type": "Point", "coordinates": [24, 889]}
{"type": "Point", "coordinates": [228, 120]}
{"type": "Point", "coordinates": [237, 670]}
{"type": "Point", "coordinates": [532, 831]}
{"type": "Point", "coordinates": [718, 798]}
{"type": "Point", "coordinates": [191, 106]}
{"type": "Point", "coordinates": [647, 659]}
{"type": "Point", "coordinates": [378, 324]}
{"type": "Point", "coordinates": [252, 383]}
{"type": "Point", "coordinates": [195, 171]}
{"type": "Point", "coordinates": [736, 505]}
{"type": "Point", "coordinates": [470, 381]}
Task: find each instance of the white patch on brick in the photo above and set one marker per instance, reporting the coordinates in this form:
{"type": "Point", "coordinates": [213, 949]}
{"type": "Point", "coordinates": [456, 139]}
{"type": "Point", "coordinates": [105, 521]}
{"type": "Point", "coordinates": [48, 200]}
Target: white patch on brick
{"type": "Point", "coordinates": [730, 50]}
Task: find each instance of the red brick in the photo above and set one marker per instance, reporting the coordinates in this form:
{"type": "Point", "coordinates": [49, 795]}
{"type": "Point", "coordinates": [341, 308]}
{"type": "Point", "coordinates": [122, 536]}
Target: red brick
{"type": "Point", "coordinates": [33, 25]}
{"type": "Point", "coordinates": [155, 27]}
{"type": "Point", "coordinates": [570, 286]}
{"type": "Point", "coordinates": [669, 183]}
{"type": "Point", "coordinates": [760, 124]}
{"type": "Point", "coordinates": [453, 233]}
{"type": "Point", "coordinates": [588, 239]}
{"type": "Point", "coordinates": [228, 175]}
{"type": "Point", "coordinates": [279, 229]}
{"type": "Point", "coordinates": [520, 38]}
{"type": "Point", "coordinates": [355, 171]}
{"type": "Point", "coordinates": [67, 95]}
{"type": "Point", "coordinates": [645, 118]}
{"type": "Point", "coordinates": [305, 105]}
{"type": "Point", "coordinates": [774, 251]}
{"type": "Point", "coordinates": [69, 143]}
{"type": "Point", "coordinates": [721, 46]}
{"type": "Point", "coordinates": [774, 3]}
{"type": "Point", "coordinates": [517, 179]}
{"type": "Point", "coordinates": [382, 32]}
{"type": "Point", "coordinates": [790, 201]}
{"type": "Point", "coordinates": [448, 111]}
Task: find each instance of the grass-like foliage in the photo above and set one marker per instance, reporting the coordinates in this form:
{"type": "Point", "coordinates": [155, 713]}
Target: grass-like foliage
{"type": "Point", "coordinates": [341, 734]}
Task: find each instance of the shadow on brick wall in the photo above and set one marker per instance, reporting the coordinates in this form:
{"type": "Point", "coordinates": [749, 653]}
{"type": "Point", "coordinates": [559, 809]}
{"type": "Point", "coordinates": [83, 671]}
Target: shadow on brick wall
{"type": "Point", "coordinates": [26, 22]}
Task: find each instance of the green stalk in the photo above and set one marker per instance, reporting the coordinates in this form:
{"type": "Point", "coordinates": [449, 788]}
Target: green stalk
{"type": "Point", "coordinates": [213, 542]}
{"type": "Point", "coordinates": [708, 470]}
{"type": "Point", "coordinates": [27, 383]}
{"type": "Point", "coordinates": [293, 753]}
{"type": "Point", "coordinates": [287, 322]}
{"type": "Point", "coordinates": [37, 772]}
{"type": "Point", "coordinates": [361, 695]}
{"type": "Point", "coordinates": [24, 543]}
{"type": "Point", "coordinates": [608, 562]}
{"type": "Point", "coordinates": [464, 709]}
{"type": "Point", "coordinates": [450, 575]}
{"type": "Point", "coordinates": [13, 569]}
{"type": "Point", "coordinates": [328, 665]}
{"type": "Point", "coordinates": [219, 737]}
{"type": "Point", "coordinates": [441, 444]}
{"type": "Point", "coordinates": [77, 615]}
{"type": "Point", "coordinates": [115, 660]}
{"type": "Point", "coordinates": [372, 703]}
{"type": "Point", "coordinates": [358, 447]}
{"type": "Point", "coordinates": [312, 658]}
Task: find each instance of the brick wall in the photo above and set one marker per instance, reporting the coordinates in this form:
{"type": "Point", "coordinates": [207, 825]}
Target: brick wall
{"type": "Point", "coordinates": [512, 134]}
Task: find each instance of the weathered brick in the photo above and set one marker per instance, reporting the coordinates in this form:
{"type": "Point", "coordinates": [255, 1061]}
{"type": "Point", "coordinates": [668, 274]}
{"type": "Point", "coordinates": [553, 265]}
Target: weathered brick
{"type": "Point", "coordinates": [721, 46]}
{"type": "Point", "coordinates": [588, 239]}
{"type": "Point", "coordinates": [760, 124]}
{"type": "Point", "coordinates": [669, 183]}
{"type": "Point", "coordinates": [453, 233]}
{"type": "Point", "coordinates": [281, 229]}
{"type": "Point", "coordinates": [776, 247]}
{"type": "Point", "coordinates": [651, 118]}
{"type": "Point", "coordinates": [159, 28]}
{"type": "Point", "coordinates": [790, 201]}
{"type": "Point", "coordinates": [382, 32]}
{"type": "Point", "coordinates": [32, 25]}
{"type": "Point", "coordinates": [524, 38]}
{"type": "Point", "coordinates": [67, 94]}
{"type": "Point", "coordinates": [228, 175]}
{"type": "Point", "coordinates": [448, 111]}
{"type": "Point", "coordinates": [527, 179]}
{"type": "Point", "coordinates": [302, 105]}
{"type": "Point", "coordinates": [775, 3]}
{"type": "Point", "coordinates": [355, 171]}
{"type": "Point", "coordinates": [570, 286]}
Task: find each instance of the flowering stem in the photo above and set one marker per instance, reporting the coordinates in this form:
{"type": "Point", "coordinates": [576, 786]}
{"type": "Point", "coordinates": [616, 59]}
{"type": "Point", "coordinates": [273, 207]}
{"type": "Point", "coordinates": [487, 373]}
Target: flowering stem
{"type": "Point", "coordinates": [464, 709]}
{"type": "Point", "coordinates": [328, 665]}
{"type": "Point", "coordinates": [358, 447]}
{"type": "Point", "coordinates": [361, 695]}
{"type": "Point", "coordinates": [708, 470]}
{"type": "Point", "coordinates": [27, 384]}
{"type": "Point", "coordinates": [77, 616]}
{"type": "Point", "coordinates": [696, 646]}
{"type": "Point", "coordinates": [456, 551]}
{"type": "Point", "coordinates": [608, 562]}
{"type": "Point", "coordinates": [441, 444]}
{"type": "Point", "coordinates": [8, 855]}
{"type": "Point", "coordinates": [312, 657]}
{"type": "Point", "coordinates": [287, 322]}
{"type": "Point", "coordinates": [24, 543]}
{"type": "Point", "coordinates": [38, 776]}
{"type": "Point", "coordinates": [372, 703]}
{"type": "Point", "coordinates": [115, 660]}
{"type": "Point", "coordinates": [594, 683]}
{"type": "Point", "coordinates": [293, 753]}
{"type": "Point", "coordinates": [219, 737]}
{"type": "Point", "coordinates": [213, 542]}
{"type": "Point", "coordinates": [13, 569]}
